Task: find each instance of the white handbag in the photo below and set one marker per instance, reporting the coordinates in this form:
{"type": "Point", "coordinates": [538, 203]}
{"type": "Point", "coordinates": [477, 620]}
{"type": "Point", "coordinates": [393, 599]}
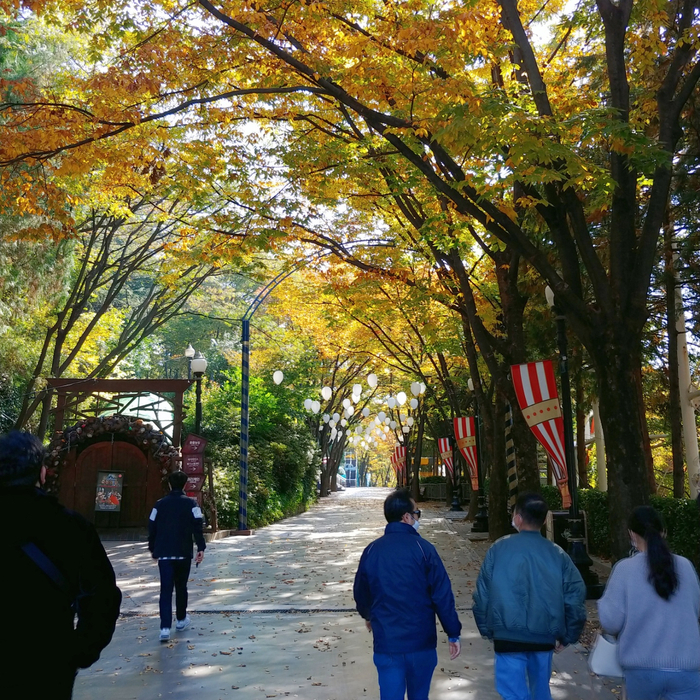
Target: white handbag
{"type": "Point", "coordinates": [603, 657]}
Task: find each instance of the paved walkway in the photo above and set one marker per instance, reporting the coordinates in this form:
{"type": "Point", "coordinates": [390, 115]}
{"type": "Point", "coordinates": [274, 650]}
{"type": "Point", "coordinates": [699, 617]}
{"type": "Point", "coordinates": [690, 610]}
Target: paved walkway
{"type": "Point", "coordinates": [273, 617]}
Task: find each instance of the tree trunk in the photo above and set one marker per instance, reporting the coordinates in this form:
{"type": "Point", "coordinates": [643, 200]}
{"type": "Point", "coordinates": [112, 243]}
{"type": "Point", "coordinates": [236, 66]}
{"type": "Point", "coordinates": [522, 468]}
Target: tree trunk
{"type": "Point", "coordinates": [499, 520]}
{"type": "Point", "coordinates": [674, 388]}
{"type": "Point", "coordinates": [581, 453]}
{"type": "Point", "coordinates": [325, 483]}
{"type": "Point", "coordinates": [525, 451]}
{"type": "Point", "coordinates": [622, 417]}
{"type": "Point", "coordinates": [417, 453]}
{"type": "Point", "coordinates": [646, 440]}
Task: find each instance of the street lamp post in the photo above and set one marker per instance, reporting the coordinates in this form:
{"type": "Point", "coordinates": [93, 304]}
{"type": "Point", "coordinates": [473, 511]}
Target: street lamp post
{"type": "Point", "coordinates": [577, 543]}
{"type": "Point", "coordinates": [481, 519]}
{"type": "Point", "coordinates": [198, 365]}
{"type": "Point", "coordinates": [189, 354]}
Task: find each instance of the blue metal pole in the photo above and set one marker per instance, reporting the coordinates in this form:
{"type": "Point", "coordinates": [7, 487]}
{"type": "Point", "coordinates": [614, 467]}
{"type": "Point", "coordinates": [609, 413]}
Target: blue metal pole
{"type": "Point", "coordinates": [245, 391]}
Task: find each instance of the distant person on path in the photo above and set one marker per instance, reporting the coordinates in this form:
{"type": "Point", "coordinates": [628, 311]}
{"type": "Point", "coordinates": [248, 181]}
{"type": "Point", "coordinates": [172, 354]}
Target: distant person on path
{"type": "Point", "coordinates": [54, 568]}
{"type": "Point", "coordinates": [400, 585]}
{"type": "Point", "coordinates": [530, 600]}
{"type": "Point", "coordinates": [175, 520]}
{"type": "Point", "coordinates": [652, 604]}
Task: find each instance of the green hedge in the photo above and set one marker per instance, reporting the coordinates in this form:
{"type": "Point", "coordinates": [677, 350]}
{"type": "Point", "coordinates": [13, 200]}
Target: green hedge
{"type": "Point", "coordinates": [679, 515]}
{"type": "Point", "coordinates": [432, 480]}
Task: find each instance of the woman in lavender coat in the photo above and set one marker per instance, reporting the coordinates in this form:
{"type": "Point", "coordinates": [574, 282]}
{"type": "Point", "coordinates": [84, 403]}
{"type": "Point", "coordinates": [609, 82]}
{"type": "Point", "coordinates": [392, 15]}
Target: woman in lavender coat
{"type": "Point", "coordinates": [652, 604]}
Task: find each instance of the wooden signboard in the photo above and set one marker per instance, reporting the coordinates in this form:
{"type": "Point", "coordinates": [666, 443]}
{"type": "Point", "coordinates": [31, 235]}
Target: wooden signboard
{"type": "Point", "coordinates": [193, 464]}
{"type": "Point", "coordinates": [194, 483]}
{"type": "Point", "coordinates": [194, 445]}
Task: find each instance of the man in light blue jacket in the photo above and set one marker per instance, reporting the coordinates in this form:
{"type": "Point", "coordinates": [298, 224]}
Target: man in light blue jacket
{"type": "Point", "coordinates": [530, 600]}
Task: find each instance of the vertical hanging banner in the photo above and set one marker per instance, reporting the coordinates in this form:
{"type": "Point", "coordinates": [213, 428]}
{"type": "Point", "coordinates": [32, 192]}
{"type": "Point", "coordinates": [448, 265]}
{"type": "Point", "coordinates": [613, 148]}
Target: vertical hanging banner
{"type": "Point", "coordinates": [536, 389]}
{"type": "Point", "coordinates": [392, 459]}
{"type": "Point", "coordinates": [465, 434]}
{"type": "Point", "coordinates": [400, 457]}
{"type": "Point", "coordinates": [446, 455]}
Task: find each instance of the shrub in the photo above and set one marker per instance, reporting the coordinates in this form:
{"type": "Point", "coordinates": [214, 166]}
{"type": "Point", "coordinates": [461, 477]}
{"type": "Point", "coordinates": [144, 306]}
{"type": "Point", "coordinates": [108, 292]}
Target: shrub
{"type": "Point", "coordinates": [433, 480]}
{"type": "Point", "coordinates": [595, 503]}
{"type": "Point", "coordinates": [282, 455]}
{"type": "Point", "coordinates": [679, 515]}
{"type": "Point", "coordinates": [682, 525]}
{"type": "Point", "coordinates": [552, 496]}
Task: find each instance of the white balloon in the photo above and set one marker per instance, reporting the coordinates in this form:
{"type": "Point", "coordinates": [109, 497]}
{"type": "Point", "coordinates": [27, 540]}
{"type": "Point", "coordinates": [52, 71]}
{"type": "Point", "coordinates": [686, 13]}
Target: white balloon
{"type": "Point", "coordinates": [277, 377]}
{"type": "Point", "coordinates": [406, 429]}
{"type": "Point", "coordinates": [346, 403]}
{"type": "Point", "coordinates": [386, 428]}
{"type": "Point", "coordinates": [336, 417]}
{"type": "Point", "coordinates": [307, 404]}
{"type": "Point", "coordinates": [422, 388]}
{"type": "Point", "coordinates": [387, 421]}
{"type": "Point", "coordinates": [409, 421]}
{"type": "Point", "coordinates": [326, 392]}
{"type": "Point", "coordinates": [381, 415]}
{"type": "Point", "coordinates": [415, 388]}
{"type": "Point", "coordinates": [392, 425]}
{"type": "Point", "coordinates": [377, 421]}
{"type": "Point", "coordinates": [372, 380]}
{"type": "Point", "coordinates": [334, 432]}
{"type": "Point", "coordinates": [326, 418]}
{"type": "Point", "coordinates": [365, 411]}
{"type": "Point", "coordinates": [340, 433]}
{"type": "Point", "coordinates": [401, 398]}
{"type": "Point", "coordinates": [343, 422]}
{"type": "Point", "coordinates": [413, 403]}
{"type": "Point", "coordinates": [391, 402]}
{"type": "Point", "coordinates": [332, 423]}
{"type": "Point", "coordinates": [315, 406]}
{"type": "Point", "coordinates": [355, 398]}
{"type": "Point", "coordinates": [349, 411]}
{"type": "Point", "coordinates": [357, 389]}
{"type": "Point", "coordinates": [358, 430]}
{"type": "Point", "coordinates": [321, 427]}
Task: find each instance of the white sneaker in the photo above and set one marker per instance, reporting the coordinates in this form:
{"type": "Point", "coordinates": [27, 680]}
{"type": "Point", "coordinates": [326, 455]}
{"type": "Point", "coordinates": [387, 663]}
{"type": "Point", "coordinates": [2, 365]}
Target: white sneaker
{"type": "Point", "coordinates": [182, 624]}
{"type": "Point", "coordinates": [164, 634]}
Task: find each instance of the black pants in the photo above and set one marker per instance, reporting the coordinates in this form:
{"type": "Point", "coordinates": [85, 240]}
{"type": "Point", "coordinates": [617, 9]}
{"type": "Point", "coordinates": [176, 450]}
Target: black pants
{"type": "Point", "coordinates": [173, 573]}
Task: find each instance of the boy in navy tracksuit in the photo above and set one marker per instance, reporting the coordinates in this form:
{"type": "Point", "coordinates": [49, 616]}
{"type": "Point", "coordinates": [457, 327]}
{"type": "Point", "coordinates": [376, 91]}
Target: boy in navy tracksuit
{"type": "Point", "coordinates": [174, 521]}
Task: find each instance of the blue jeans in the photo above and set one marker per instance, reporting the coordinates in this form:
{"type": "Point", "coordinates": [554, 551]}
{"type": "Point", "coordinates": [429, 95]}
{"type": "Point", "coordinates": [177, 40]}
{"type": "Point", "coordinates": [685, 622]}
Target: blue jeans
{"type": "Point", "coordinates": [173, 574]}
{"type": "Point", "coordinates": [401, 672]}
{"type": "Point", "coordinates": [524, 675]}
{"type": "Point", "coordinates": [652, 684]}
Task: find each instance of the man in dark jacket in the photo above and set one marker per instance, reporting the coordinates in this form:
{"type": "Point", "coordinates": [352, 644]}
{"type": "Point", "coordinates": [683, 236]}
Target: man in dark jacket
{"type": "Point", "coordinates": [54, 567]}
{"type": "Point", "coordinates": [400, 585]}
{"type": "Point", "coordinates": [174, 521]}
{"type": "Point", "coordinates": [530, 600]}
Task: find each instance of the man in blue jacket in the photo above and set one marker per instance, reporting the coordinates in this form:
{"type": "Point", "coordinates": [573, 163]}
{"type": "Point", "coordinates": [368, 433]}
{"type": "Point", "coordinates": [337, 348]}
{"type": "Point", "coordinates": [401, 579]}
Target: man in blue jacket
{"type": "Point", "coordinates": [400, 585]}
{"type": "Point", "coordinates": [530, 600]}
{"type": "Point", "coordinates": [174, 521]}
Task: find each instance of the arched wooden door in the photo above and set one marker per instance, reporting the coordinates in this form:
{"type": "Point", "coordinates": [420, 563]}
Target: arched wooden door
{"type": "Point", "coordinates": [123, 460]}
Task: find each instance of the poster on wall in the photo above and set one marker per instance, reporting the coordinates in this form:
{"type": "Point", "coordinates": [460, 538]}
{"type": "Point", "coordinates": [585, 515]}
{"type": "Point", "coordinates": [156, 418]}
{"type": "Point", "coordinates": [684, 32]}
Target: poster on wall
{"type": "Point", "coordinates": [109, 491]}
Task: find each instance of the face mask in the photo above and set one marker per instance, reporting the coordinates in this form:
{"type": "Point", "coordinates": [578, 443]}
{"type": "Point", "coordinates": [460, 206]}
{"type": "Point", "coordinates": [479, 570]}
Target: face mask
{"type": "Point", "coordinates": [512, 522]}
{"type": "Point", "coordinates": [416, 524]}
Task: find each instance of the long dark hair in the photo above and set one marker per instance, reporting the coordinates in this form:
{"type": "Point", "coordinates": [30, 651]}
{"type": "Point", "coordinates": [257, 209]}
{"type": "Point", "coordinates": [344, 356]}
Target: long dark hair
{"type": "Point", "coordinates": [647, 523]}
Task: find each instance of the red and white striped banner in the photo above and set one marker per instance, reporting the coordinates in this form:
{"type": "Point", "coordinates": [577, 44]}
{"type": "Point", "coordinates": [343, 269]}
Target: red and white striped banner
{"type": "Point", "coordinates": [400, 457]}
{"type": "Point", "coordinates": [536, 389]}
{"type": "Point", "coordinates": [465, 434]}
{"type": "Point", "coordinates": [446, 455]}
{"type": "Point", "coordinates": [392, 459]}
